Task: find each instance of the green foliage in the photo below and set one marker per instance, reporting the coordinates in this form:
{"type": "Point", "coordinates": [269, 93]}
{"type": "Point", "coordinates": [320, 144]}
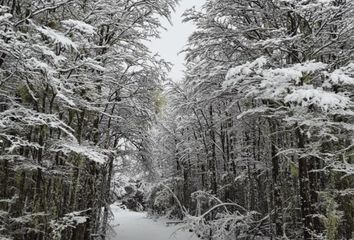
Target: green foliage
{"type": "Point", "coordinates": [24, 94]}
{"type": "Point", "coordinates": [52, 24]}
{"type": "Point", "coordinates": [294, 169]}
{"type": "Point", "coordinates": [333, 217]}
{"type": "Point", "coordinates": [306, 78]}
{"type": "Point", "coordinates": [160, 101]}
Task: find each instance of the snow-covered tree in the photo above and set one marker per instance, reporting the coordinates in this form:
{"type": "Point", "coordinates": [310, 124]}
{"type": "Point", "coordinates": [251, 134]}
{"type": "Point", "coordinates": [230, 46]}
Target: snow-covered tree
{"type": "Point", "coordinates": [264, 115]}
{"type": "Point", "coordinates": [76, 81]}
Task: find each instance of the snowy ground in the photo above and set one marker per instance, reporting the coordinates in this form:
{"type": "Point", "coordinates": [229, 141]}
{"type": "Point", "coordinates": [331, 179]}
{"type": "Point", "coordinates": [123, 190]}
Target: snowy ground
{"type": "Point", "coordinates": [136, 226]}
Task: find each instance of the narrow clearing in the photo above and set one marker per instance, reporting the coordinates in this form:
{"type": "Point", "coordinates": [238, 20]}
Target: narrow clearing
{"type": "Point", "coordinates": [137, 226]}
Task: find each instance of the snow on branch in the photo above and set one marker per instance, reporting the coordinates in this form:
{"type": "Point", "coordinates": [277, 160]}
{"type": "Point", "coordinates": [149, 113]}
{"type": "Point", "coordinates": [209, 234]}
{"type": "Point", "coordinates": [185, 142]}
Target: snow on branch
{"type": "Point", "coordinates": [6, 17]}
{"type": "Point", "coordinates": [79, 26]}
{"type": "Point", "coordinates": [21, 163]}
{"type": "Point", "coordinates": [93, 64]}
{"type": "Point", "coordinates": [342, 76]}
{"type": "Point", "coordinates": [91, 152]}
{"type": "Point", "coordinates": [17, 116]}
{"type": "Point", "coordinates": [344, 167]}
{"type": "Point", "coordinates": [236, 74]}
{"type": "Point", "coordinates": [253, 111]}
{"type": "Point", "coordinates": [35, 64]}
{"type": "Point", "coordinates": [56, 36]}
{"type": "Point", "coordinates": [44, 50]}
{"type": "Point", "coordinates": [325, 100]}
{"type": "Point", "coordinates": [66, 99]}
{"type": "Point", "coordinates": [70, 220]}
{"type": "Point", "coordinates": [17, 142]}
{"type": "Point", "coordinates": [276, 80]}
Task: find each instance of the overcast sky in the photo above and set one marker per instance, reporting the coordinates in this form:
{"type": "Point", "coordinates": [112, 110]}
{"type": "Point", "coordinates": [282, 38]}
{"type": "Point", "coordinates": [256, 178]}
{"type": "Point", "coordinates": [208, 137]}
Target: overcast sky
{"type": "Point", "coordinates": [174, 39]}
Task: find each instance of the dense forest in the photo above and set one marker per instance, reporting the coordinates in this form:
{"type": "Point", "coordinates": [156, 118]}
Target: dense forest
{"type": "Point", "coordinates": [77, 83]}
{"type": "Point", "coordinates": [255, 142]}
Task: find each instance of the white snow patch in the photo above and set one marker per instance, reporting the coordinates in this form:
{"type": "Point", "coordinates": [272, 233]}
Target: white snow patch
{"type": "Point", "coordinates": [237, 73]}
{"type": "Point", "coordinates": [320, 98]}
{"type": "Point", "coordinates": [342, 76]}
{"type": "Point", "coordinates": [5, 17]}
{"type": "Point", "coordinates": [137, 226]}
{"type": "Point", "coordinates": [270, 78]}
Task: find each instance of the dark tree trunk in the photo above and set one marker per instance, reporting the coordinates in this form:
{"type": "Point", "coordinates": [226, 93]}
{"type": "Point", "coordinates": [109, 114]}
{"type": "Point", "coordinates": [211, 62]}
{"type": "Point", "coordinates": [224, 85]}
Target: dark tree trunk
{"type": "Point", "coordinates": [305, 200]}
{"type": "Point", "coordinates": [277, 202]}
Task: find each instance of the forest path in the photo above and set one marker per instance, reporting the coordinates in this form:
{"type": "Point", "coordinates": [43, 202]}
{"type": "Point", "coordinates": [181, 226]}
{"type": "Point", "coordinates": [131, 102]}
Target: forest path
{"type": "Point", "coordinates": [137, 226]}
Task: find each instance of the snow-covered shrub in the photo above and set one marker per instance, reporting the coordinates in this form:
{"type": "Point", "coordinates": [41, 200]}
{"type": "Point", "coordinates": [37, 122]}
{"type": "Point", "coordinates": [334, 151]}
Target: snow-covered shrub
{"type": "Point", "coordinates": [226, 226]}
{"type": "Point", "coordinates": [133, 196]}
{"type": "Point", "coordinates": [213, 219]}
{"type": "Point", "coordinates": [222, 221]}
{"type": "Point", "coordinates": [162, 199]}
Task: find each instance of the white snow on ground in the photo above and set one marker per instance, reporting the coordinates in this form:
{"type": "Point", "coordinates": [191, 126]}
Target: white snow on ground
{"type": "Point", "coordinates": [137, 226]}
